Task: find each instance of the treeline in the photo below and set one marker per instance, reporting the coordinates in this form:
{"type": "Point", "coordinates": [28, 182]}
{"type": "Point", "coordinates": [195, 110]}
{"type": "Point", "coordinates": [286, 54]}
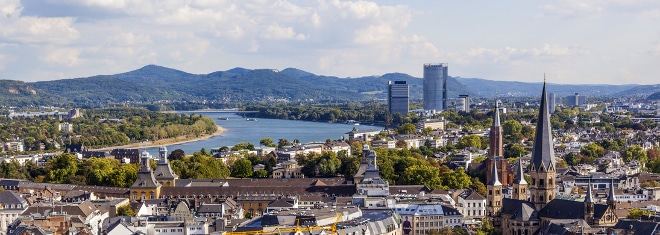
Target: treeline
{"type": "Point", "coordinates": [375, 113]}
{"type": "Point", "coordinates": [102, 128]}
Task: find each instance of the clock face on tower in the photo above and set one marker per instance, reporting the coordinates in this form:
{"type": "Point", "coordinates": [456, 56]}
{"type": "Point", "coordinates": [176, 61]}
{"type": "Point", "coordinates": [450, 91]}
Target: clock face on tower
{"type": "Point", "coordinates": [608, 217]}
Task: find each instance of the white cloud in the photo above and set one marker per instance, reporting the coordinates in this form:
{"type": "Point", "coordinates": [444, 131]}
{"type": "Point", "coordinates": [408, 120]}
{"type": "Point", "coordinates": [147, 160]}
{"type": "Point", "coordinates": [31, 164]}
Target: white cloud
{"type": "Point", "coordinates": [277, 32]}
{"type": "Point", "coordinates": [10, 8]}
{"type": "Point", "coordinates": [63, 56]}
{"type": "Point", "coordinates": [374, 34]}
{"type": "Point", "coordinates": [570, 8]}
{"type": "Point", "coordinates": [39, 30]}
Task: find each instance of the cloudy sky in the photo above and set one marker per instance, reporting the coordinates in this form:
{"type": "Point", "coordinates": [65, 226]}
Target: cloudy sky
{"type": "Point", "coordinates": [571, 41]}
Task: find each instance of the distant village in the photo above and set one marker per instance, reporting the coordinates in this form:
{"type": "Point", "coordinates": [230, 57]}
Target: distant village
{"type": "Point", "coordinates": [534, 195]}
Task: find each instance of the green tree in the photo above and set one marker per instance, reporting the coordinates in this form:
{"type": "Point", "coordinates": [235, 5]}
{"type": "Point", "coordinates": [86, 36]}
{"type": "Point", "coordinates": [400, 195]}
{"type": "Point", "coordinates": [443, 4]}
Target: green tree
{"type": "Point", "coordinates": [635, 213]}
{"type": "Point", "coordinates": [467, 141]}
{"type": "Point", "coordinates": [329, 164]}
{"type": "Point", "coordinates": [457, 179]}
{"type": "Point", "coordinates": [125, 210]}
{"type": "Point", "coordinates": [283, 142]}
{"type": "Point", "coordinates": [177, 154]}
{"type": "Point", "coordinates": [260, 174]}
{"type": "Point", "coordinates": [634, 152]}
{"type": "Point", "coordinates": [407, 128]}
{"type": "Point", "coordinates": [422, 174]}
{"type": "Point", "coordinates": [479, 186]}
{"type": "Point", "coordinates": [242, 168]}
{"type": "Point", "coordinates": [267, 142]}
{"type": "Point", "coordinates": [62, 168]}
{"type": "Point", "coordinates": [592, 150]}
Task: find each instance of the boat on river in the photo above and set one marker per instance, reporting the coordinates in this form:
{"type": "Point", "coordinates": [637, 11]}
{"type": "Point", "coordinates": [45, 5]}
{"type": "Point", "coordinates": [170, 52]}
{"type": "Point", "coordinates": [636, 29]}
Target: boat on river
{"type": "Point", "coordinates": [223, 118]}
{"type": "Point", "coordinates": [251, 119]}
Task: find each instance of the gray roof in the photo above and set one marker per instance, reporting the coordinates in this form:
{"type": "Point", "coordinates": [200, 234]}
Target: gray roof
{"type": "Point", "coordinates": [164, 171]}
{"type": "Point", "coordinates": [145, 179]}
{"type": "Point", "coordinates": [8, 197]}
{"type": "Point", "coordinates": [543, 154]}
{"type": "Point", "coordinates": [496, 119]}
{"type": "Point", "coordinates": [567, 209]}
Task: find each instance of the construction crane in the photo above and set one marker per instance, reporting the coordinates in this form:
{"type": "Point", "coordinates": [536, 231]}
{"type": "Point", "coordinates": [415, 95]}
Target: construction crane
{"type": "Point", "coordinates": [298, 229]}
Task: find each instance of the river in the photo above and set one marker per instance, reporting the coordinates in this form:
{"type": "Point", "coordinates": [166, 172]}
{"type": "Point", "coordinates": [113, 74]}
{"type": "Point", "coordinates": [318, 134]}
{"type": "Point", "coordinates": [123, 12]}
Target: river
{"type": "Point", "coordinates": [238, 130]}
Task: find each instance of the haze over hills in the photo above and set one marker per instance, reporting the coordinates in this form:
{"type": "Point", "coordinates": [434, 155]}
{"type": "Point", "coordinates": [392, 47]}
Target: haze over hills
{"type": "Point", "coordinates": [156, 83]}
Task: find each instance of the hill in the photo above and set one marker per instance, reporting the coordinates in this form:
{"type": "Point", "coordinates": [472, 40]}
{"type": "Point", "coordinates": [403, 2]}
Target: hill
{"type": "Point", "coordinates": [156, 83]}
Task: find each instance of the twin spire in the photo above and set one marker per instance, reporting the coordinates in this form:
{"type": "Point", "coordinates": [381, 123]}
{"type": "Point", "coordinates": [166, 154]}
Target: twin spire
{"type": "Point", "coordinates": [494, 181]}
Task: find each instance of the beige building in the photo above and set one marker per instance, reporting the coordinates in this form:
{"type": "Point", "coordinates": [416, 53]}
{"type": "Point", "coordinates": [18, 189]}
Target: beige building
{"type": "Point", "coordinates": [289, 169]}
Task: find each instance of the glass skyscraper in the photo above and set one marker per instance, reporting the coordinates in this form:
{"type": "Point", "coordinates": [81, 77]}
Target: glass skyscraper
{"type": "Point", "coordinates": [435, 86]}
{"type": "Point", "coordinates": [397, 97]}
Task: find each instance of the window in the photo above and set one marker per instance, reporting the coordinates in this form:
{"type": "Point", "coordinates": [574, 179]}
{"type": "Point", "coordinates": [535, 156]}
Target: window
{"type": "Point", "coordinates": [541, 182]}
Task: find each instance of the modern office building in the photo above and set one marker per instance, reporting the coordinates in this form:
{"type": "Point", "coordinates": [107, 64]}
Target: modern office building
{"type": "Point", "coordinates": [576, 100]}
{"type": "Point", "coordinates": [552, 102]}
{"type": "Point", "coordinates": [397, 97]}
{"type": "Point", "coordinates": [435, 86]}
{"type": "Point", "coordinates": [463, 103]}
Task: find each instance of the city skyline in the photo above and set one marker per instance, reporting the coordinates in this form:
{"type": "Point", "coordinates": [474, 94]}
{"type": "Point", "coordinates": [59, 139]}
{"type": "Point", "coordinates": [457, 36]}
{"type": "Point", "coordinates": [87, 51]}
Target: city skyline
{"type": "Point", "coordinates": [574, 42]}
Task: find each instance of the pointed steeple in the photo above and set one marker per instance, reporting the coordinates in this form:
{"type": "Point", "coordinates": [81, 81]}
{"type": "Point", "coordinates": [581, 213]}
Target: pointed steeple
{"type": "Point", "coordinates": [589, 197]}
{"type": "Point", "coordinates": [496, 118]}
{"type": "Point", "coordinates": [610, 196]}
{"type": "Point", "coordinates": [494, 181]}
{"type": "Point", "coordinates": [520, 174]}
{"type": "Point", "coordinates": [543, 154]}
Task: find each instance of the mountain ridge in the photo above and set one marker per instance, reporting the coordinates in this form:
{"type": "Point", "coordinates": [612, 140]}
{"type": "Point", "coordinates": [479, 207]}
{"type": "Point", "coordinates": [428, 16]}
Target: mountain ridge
{"type": "Point", "coordinates": [153, 83]}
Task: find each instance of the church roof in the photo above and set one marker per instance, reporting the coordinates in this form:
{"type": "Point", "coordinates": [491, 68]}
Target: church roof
{"type": "Point", "coordinates": [525, 212]}
{"type": "Point", "coordinates": [567, 209]}
{"type": "Point", "coordinates": [543, 154]}
{"type": "Point", "coordinates": [519, 209]}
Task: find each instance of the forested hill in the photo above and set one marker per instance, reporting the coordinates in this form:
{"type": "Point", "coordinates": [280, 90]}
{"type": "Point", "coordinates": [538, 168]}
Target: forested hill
{"type": "Point", "coordinates": [239, 85]}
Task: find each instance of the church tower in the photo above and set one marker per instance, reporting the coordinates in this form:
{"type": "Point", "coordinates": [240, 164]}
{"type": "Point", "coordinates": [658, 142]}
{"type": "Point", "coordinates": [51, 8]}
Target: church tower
{"type": "Point", "coordinates": [611, 200]}
{"type": "Point", "coordinates": [589, 205]}
{"type": "Point", "coordinates": [543, 164]}
{"type": "Point", "coordinates": [145, 186]}
{"type": "Point", "coordinates": [494, 197]}
{"type": "Point", "coordinates": [519, 183]}
{"type": "Point", "coordinates": [496, 143]}
{"type": "Point", "coordinates": [496, 150]}
{"type": "Point", "coordinates": [163, 173]}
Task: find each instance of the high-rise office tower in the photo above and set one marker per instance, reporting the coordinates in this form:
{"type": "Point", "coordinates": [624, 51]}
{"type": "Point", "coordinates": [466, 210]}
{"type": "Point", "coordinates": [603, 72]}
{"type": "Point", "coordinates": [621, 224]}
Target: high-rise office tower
{"type": "Point", "coordinates": [435, 86]}
{"type": "Point", "coordinates": [397, 97]}
{"type": "Point", "coordinates": [552, 99]}
{"type": "Point", "coordinates": [576, 100]}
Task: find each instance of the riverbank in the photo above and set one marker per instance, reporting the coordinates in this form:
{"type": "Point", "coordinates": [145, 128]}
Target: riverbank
{"type": "Point", "coordinates": [166, 142]}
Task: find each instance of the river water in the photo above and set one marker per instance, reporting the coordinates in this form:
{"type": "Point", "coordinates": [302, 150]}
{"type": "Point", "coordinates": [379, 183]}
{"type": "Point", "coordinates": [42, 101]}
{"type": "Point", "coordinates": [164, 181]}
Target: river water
{"type": "Point", "coordinates": [238, 130]}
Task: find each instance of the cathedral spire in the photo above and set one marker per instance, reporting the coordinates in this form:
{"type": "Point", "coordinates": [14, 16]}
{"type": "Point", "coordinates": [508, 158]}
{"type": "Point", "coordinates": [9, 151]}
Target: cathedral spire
{"type": "Point", "coordinates": [589, 197]}
{"type": "Point", "coordinates": [543, 154]}
{"type": "Point", "coordinates": [520, 175]}
{"type": "Point", "coordinates": [494, 181]}
{"type": "Point", "coordinates": [610, 196]}
{"type": "Point", "coordinates": [496, 118]}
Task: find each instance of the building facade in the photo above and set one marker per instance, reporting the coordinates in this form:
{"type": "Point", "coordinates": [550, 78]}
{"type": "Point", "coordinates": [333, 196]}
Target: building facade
{"type": "Point", "coordinates": [397, 97]}
{"type": "Point", "coordinates": [435, 86]}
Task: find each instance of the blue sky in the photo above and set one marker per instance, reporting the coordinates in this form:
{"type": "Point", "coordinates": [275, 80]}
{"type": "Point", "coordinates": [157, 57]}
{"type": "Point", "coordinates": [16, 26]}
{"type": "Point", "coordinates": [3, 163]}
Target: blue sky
{"type": "Point", "coordinates": [571, 41]}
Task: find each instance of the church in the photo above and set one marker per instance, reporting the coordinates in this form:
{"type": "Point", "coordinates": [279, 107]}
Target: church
{"type": "Point", "coordinates": [533, 208]}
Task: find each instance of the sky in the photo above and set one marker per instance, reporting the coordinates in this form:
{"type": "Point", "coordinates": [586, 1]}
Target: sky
{"type": "Point", "coordinates": [570, 41]}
